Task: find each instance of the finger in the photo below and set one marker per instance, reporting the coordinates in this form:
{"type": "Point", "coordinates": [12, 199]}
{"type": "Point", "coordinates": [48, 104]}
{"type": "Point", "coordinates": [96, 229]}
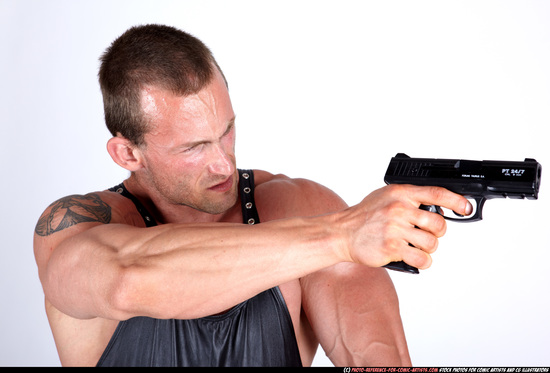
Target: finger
{"type": "Point", "coordinates": [442, 197]}
{"type": "Point", "coordinates": [414, 248]}
{"type": "Point", "coordinates": [416, 257]}
{"type": "Point", "coordinates": [422, 240]}
{"type": "Point", "coordinates": [430, 222]}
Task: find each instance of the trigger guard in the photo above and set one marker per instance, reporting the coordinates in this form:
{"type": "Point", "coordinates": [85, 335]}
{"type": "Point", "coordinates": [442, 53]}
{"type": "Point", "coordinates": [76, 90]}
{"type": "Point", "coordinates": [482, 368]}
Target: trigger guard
{"type": "Point", "coordinates": [477, 216]}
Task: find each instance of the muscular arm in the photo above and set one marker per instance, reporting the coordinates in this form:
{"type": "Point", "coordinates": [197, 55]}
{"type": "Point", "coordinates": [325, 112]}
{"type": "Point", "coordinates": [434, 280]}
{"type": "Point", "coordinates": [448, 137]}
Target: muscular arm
{"type": "Point", "coordinates": [117, 271]}
{"type": "Point", "coordinates": [352, 309]}
{"type": "Point", "coordinates": [354, 312]}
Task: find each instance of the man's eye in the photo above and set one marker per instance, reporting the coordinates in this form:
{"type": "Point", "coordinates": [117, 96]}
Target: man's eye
{"type": "Point", "coordinates": [228, 131]}
{"type": "Point", "coordinates": [193, 148]}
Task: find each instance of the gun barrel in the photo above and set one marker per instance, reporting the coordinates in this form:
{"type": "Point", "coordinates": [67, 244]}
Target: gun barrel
{"type": "Point", "coordinates": [490, 179]}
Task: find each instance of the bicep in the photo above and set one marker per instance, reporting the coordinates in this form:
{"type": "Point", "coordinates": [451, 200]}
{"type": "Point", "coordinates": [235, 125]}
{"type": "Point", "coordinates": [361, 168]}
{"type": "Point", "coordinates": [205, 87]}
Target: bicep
{"type": "Point", "coordinates": [79, 274]}
{"type": "Point", "coordinates": [283, 197]}
{"type": "Point", "coordinates": [71, 253]}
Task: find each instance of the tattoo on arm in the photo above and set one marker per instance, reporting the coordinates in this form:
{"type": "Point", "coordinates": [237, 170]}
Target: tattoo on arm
{"type": "Point", "coordinates": [72, 210]}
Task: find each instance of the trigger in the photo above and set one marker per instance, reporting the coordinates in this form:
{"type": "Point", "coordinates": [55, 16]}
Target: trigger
{"type": "Point", "coordinates": [438, 210]}
{"type": "Point", "coordinates": [431, 208]}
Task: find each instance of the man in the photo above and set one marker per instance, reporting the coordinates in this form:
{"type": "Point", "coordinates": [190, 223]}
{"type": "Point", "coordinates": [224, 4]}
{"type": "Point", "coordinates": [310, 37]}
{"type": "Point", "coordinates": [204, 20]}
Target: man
{"type": "Point", "coordinates": [161, 270]}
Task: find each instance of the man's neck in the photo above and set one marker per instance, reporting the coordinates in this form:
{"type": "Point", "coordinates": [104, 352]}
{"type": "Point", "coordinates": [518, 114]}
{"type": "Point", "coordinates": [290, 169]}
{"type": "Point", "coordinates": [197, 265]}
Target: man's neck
{"type": "Point", "coordinates": [165, 212]}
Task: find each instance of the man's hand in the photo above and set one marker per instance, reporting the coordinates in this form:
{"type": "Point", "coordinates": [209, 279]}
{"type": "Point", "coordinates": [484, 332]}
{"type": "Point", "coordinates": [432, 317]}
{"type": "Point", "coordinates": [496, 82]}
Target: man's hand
{"type": "Point", "coordinates": [380, 228]}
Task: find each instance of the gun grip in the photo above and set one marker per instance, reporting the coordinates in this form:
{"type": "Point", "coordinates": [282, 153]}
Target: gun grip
{"type": "Point", "coordinates": [402, 267]}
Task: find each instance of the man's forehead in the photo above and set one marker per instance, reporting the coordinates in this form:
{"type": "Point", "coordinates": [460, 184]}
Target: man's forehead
{"type": "Point", "coordinates": [213, 99]}
{"type": "Point", "coordinates": [174, 119]}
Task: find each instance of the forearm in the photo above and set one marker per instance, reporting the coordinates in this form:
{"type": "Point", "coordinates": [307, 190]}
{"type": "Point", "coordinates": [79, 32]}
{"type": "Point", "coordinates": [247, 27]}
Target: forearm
{"type": "Point", "coordinates": [372, 337]}
{"type": "Point", "coordinates": [366, 328]}
{"type": "Point", "coordinates": [189, 271]}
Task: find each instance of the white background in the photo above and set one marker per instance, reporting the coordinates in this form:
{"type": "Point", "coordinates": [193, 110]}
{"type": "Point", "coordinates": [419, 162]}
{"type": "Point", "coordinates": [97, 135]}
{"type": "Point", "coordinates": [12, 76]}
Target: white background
{"type": "Point", "coordinates": [326, 90]}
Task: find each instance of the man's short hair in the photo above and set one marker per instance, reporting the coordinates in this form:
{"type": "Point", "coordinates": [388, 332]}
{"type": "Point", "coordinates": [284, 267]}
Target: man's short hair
{"type": "Point", "coordinates": [154, 55]}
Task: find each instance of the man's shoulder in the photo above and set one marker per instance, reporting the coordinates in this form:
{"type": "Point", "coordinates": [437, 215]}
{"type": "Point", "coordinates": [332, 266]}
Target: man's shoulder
{"type": "Point", "coordinates": [283, 195]}
{"type": "Point", "coordinates": [102, 207]}
{"type": "Point", "coordinates": [262, 177]}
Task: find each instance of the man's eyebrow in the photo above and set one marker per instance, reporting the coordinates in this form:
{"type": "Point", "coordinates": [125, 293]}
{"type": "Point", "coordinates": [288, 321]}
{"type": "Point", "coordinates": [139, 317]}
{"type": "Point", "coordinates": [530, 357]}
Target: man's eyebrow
{"type": "Point", "coordinates": [191, 144]}
{"type": "Point", "coordinates": [230, 125]}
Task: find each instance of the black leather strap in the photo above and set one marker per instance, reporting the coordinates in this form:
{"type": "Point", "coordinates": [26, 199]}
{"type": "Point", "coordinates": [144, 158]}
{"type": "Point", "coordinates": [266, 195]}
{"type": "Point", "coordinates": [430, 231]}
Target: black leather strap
{"type": "Point", "coordinates": [246, 190]}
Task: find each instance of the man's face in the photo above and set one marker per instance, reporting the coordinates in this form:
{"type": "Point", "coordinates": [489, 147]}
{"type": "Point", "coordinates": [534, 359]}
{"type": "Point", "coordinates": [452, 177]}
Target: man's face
{"type": "Point", "coordinates": [189, 151]}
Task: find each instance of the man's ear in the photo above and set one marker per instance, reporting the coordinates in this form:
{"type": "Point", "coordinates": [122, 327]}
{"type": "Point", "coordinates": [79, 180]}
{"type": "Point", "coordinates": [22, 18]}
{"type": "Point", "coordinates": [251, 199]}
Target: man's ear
{"type": "Point", "coordinates": [124, 153]}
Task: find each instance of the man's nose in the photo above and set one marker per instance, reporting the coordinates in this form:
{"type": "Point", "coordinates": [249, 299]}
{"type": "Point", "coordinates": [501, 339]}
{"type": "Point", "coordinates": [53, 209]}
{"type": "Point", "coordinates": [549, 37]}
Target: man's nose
{"type": "Point", "coordinates": [222, 163]}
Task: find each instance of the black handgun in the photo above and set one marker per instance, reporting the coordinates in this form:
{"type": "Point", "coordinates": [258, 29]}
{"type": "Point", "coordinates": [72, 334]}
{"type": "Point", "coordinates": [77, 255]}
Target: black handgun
{"type": "Point", "coordinates": [477, 180]}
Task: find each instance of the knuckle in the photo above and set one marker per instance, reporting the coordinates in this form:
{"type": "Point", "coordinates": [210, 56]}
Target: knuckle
{"type": "Point", "coordinates": [394, 208]}
{"type": "Point", "coordinates": [437, 223]}
{"type": "Point", "coordinates": [440, 225]}
{"type": "Point", "coordinates": [432, 244]}
{"type": "Point", "coordinates": [392, 248]}
{"type": "Point", "coordinates": [432, 222]}
{"type": "Point", "coordinates": [391, 244]}
{"type": "Point", "coordinates": [438, 193]}
{"type": "Point", "coordinates": [395, 190]}
{"type": "Point", "coordinates": [389, 230]}
{"type": "Point", "coordinates": [391, 236]}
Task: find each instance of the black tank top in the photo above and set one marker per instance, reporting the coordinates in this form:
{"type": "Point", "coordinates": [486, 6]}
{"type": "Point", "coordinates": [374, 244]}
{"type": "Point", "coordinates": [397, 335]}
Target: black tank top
{"type": "Point", "coordinates": [256, 332]}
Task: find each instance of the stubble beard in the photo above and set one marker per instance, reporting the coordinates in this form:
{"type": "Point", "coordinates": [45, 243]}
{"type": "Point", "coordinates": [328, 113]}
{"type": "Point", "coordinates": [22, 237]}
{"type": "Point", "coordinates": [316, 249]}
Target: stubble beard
{"type": "Point", "coordinates": [218, 207]}
{"type": "Point", "coordinates": [209, 202]}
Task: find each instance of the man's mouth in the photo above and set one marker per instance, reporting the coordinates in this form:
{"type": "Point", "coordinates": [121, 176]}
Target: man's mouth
{"type": "Point", "coordinates": [224, 186]}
